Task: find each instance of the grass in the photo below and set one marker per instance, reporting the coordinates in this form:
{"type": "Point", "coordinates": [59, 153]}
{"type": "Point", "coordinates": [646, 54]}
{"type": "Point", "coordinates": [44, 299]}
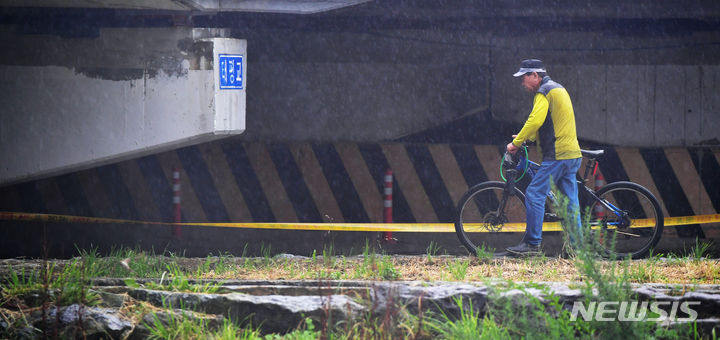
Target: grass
{"type": "Point", "coordinates": [432, 250]}
{"type": "Point", "coordinates": [534, 319]}
{"type": "Point", "coordinates": [458, 269]}
{"type": "Point", "coordinates": [186, 325]}
{"type": "Point", "coordinates": [373, 266]}
{"type": "Point", "coordinates": [470, 325]}
{"type": "Point", "coordinates": [700, 250]}
{"type": "Point", "coordinates": [483, 253]}
{"type": "Point", "coordinates": [450, 268]}
{"type": "Point", "coordinates": [369, 266]}
{"type": "Point", "coordinates": [21, 283]}
{"type": "Point", "coordinates": [72, 284]}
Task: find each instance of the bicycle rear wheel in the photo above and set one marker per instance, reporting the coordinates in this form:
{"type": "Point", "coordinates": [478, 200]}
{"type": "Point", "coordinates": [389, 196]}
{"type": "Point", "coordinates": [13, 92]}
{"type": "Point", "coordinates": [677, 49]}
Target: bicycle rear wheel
{"type": "Point", "coordinates": [631, 224]}
{"type": "Point", "coordinates": [481, 215]}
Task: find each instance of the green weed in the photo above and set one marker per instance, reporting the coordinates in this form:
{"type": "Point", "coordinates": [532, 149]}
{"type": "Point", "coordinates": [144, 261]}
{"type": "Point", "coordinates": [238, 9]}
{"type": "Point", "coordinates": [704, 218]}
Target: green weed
{"type": "Point", "coordinates": [329, 255]}
{"type": "Point", "coordinates": [122, 262]}
{"type": "Point", "coordinates": [177, 326]}
{"type": "Point", "coordinates": [21, 283]}
{"type": "Point", "coordinates": [609, 283]}
{"type": "Point", "coordinates": [187, 325]}
{"type": "Point", "coordinates": [266, 253]}
{"type": "Point", "coordinates": [458, 269]}
{"type": "Point", "coordinates": [177, 282]}
{"type": "Point", "coordinates": [73, 282]}
{"type": "Point", "coordinates": [204, 267]}
{"type": "Point", "coordinates": [231, 331]}
{"type": "Point", "coordinates": [387, 270]}
{"type": "Point", "coordinates": [467, 326]}
{"type": "Point", "coordinates": [644, 271]}
{"type": "Point", "coordinates": [431, 251]}
{"type": "Point", "coordinates": [700, 250]}
{"type": "Point", "coordinates": [484, 253]}
{"type": "Point", "coordinates": [376, 267]}
{"type": "Point", "coordinates": [218, 265]}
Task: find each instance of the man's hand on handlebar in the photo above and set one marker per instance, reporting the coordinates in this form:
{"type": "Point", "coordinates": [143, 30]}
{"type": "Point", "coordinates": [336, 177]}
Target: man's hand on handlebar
{"type": "Point", "coordinates": [511, 148]}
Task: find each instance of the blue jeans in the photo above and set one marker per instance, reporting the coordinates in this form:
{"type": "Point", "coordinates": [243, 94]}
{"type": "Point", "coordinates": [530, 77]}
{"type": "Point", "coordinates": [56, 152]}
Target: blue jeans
{"type": "Point", "coordinates": [563, 172]}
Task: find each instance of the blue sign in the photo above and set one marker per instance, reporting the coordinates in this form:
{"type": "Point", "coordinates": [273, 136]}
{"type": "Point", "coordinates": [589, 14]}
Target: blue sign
{"type": "Point", "coordinates": [231, 71]}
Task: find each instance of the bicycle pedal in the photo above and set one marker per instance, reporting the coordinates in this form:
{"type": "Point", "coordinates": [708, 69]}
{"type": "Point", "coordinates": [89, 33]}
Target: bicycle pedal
{"type": "Point", "coordinates": [551, 217]}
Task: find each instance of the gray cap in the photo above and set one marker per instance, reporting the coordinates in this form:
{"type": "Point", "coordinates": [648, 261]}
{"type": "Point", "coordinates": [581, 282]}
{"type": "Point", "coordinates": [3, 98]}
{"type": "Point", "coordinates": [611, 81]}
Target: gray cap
{"type": "Point", "coordinates": [530, 65]}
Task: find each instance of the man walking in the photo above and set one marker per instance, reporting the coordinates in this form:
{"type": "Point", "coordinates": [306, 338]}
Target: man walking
{"type": "Point", "coordinates": [552, 125]}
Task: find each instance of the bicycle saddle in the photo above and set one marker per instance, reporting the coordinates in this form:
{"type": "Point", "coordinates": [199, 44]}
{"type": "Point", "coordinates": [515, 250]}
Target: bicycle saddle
{"type": "Point", "coordinates": [592, 154]}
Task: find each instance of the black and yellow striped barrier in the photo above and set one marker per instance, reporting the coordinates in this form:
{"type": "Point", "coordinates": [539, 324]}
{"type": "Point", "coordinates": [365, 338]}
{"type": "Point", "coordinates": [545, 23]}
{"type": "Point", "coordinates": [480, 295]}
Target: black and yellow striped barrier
{"type": "Point", "coordinates": [371, 227]}
{"type": "Point", "coordinates": [327, 183]}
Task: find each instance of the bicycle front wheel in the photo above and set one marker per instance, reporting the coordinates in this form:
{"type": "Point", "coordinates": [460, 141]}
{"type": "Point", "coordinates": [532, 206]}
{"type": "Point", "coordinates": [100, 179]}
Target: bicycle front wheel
{"type": "Point", "coordinates": [627, 220]}
{"type": "Point", "coordinates": [484, 211]}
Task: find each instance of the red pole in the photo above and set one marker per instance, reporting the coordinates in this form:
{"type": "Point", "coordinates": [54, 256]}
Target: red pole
{"type": "Point", "coordinates": [176, 203]}
{"type": "Point", "coordinates": [599, 183]}
{"type": "Point", "coordinates": [387, 236]}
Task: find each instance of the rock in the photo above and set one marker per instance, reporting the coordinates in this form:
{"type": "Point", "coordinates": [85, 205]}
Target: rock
{"type": "Point", "coordinates": [436, 298]}
{"type": "Point", "coordinates": [709, 304]}
{"type": "Point", "coordinates": [110, 299]}
{"type": "Point", "coordinates": [651, 293]}
{"type": "Point", "coordinates": [276, 313]}
{"type": "Point", "coordinates": [97, 323]}
{"type": "Point", "coordinates": [290, 256]}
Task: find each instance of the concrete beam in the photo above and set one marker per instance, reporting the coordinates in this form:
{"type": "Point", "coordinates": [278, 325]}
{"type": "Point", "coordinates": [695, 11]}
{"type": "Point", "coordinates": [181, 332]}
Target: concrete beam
{"type": "Point", "coordinates": [133, 92]}
{"type": "Point", "coordinates": [271, 6]}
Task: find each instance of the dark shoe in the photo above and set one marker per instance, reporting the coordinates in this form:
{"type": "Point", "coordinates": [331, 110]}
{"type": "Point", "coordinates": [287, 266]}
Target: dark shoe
{"type": "Point", "coordinates": [524, 249]}
{"type": "Point", "coordinates": [551, 217]}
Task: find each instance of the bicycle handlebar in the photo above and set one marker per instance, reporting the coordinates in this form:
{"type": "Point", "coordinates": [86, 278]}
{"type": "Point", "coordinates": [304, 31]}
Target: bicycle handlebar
{"type": "Point", "coordinates": [511, 162]}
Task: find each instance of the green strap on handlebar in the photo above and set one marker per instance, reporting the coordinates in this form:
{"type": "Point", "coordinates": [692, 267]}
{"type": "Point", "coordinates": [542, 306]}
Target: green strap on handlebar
{"type": "Point", "coordinates": [524, 171]}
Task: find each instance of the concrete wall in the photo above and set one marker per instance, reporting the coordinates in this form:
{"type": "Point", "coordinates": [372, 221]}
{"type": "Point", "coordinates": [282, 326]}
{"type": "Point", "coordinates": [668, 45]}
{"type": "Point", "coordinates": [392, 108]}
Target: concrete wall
{"type": "Point", "coordinates": [126, 93]}
{"type": "Point", "coordinates": [358, 86]}
{"type": "Point", "coordinates": [320, 79]}
{"type": "Point", "coordinates": [636, 105]}
{"type": "Point", "coordinates": [388, 84]}
{"type": "Point", "coordinates": [630, 89]}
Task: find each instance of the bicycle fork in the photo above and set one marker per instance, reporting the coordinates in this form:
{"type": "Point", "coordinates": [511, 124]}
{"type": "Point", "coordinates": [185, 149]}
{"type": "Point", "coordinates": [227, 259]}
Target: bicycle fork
{"type": "Point", "coordinates": [509, 191]}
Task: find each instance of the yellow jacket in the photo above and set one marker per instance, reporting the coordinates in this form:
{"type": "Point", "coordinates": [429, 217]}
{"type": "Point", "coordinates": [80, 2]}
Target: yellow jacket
{"type": "Point", "coordinates": [557, 136]}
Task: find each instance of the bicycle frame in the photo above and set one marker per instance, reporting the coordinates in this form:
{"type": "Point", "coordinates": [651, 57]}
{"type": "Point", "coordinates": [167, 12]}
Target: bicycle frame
{"type": "Point", "coordinates": [532, 169]}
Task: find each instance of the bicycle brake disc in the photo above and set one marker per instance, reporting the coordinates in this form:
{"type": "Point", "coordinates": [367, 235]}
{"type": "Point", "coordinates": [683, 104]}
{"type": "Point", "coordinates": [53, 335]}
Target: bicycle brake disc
{"type": "Point", "coordinates": [624, 222]}
{"type": "Point", "coordinates": [492, 222]}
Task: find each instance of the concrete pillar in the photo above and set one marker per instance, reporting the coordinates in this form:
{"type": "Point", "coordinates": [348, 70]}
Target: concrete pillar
{"type": "Point", "coordinates": [68, 104]}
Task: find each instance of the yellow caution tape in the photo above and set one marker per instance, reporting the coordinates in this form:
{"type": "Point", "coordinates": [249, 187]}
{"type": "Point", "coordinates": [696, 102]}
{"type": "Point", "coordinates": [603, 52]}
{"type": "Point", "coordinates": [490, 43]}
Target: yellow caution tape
{"type": "Point", "coordinates": [685, 220]}
{"type": "Point", "coordinates": [35, 217]}
{"type": "Point", "coordinates": [391, 227]}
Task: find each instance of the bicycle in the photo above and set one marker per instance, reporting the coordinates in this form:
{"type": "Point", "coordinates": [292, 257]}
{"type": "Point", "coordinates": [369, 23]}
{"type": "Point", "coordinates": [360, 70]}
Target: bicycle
{"type": "Point", "coordinates": [627, 215]}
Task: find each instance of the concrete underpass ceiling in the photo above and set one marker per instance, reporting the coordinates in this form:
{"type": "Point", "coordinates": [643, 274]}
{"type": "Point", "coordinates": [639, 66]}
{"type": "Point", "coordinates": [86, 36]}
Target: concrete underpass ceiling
{"type": "Point", "coordinates": [410, 9]}
{"type": "Point", "coordinates": [269, 6]}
